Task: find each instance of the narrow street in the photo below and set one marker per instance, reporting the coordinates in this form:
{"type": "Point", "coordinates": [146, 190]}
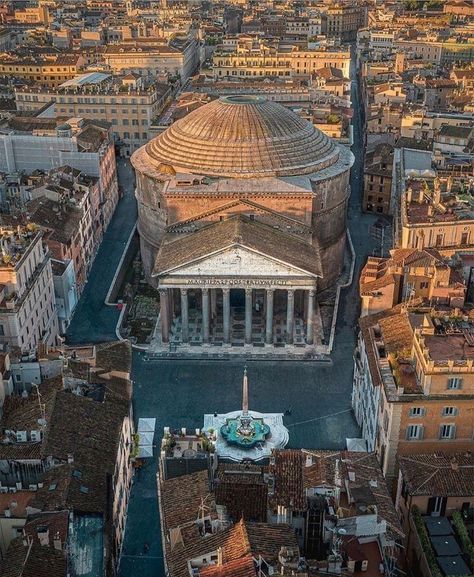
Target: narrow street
{"type": "Point", "coordinates": [93, 320]}
{"type": "Point", "coordinates": [178, 392]}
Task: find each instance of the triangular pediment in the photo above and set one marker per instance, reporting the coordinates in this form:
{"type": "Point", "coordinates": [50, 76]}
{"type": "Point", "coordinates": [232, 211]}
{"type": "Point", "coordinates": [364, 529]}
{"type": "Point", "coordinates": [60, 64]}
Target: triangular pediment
{"type": "Point", "coordinates": [235, 207]}
{"type": "Point", "coordinates": [239, 262]}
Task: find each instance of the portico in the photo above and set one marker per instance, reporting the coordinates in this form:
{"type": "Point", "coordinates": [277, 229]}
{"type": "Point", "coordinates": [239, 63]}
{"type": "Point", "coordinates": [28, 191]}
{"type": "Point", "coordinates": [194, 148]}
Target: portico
{"type": "Point", "coordinates": [255, 289]}
{"type": "Point", "coordinates": [238, 314]}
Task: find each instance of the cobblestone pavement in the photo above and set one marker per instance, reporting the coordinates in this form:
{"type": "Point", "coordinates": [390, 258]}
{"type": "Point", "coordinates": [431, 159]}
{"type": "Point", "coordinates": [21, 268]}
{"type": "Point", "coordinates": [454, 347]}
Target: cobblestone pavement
{"type": "Point", "coordinates": [179, 392]}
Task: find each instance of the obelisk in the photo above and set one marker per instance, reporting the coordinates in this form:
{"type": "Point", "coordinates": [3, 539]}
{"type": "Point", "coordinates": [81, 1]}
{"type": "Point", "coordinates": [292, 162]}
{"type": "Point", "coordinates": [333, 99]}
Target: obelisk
{"type": "Point", "coordinates": [245, 394]}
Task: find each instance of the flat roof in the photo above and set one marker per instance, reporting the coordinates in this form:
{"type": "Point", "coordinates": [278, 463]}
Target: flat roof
{"type": "Point", "coordinates": [445, 546]}
{"type": "Point", "coordinates": [453, 565]}
{"type": "Point", "coordinates": [438, 526]}
{"type": "Point", "coordinates": [86, 548]}
{"type": "Point", "coordinates": [87, 78]}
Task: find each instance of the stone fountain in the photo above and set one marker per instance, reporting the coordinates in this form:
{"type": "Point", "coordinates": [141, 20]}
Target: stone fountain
{"type": "Point", "coordinates": [246, 434]}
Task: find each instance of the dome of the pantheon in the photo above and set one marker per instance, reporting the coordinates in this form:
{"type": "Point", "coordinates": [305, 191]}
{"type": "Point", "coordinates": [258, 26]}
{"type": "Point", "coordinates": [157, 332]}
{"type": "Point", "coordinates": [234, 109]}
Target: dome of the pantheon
{"type": "Point", "coordinates": [241, 137]}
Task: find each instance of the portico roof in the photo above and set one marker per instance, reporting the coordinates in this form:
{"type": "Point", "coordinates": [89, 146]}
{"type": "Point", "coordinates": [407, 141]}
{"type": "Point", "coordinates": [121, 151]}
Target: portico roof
{"type": "Point", "coordinates": [238, 231]}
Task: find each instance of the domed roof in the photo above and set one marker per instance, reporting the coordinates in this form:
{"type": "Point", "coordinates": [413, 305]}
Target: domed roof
{"type": "Point", "coordinates": [242, 137]}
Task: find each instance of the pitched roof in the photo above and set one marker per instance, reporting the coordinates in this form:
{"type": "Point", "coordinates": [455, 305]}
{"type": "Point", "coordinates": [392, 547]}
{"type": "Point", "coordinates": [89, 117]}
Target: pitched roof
{"type": "Point", "coordinates": [238, 231]}
{"type": "Point", "coordinates": [243, 491]}
{"type": "Point", "coordinates": [63, 488]}
{"type": "Point", "coordinates": [55, 522]}
{"type": "Point", "coordinates": [35, 561]}
{"type": "Point", "coordinates": [286, 467]}
{"type": "Point", "coordinates": [243, 500]}
{"type": "Point", "coordinates": [182, 497]}
{"type": "Point", "coordinates": [440, 474]}
{"type": "Point", "coordinates": [243, 567]}
{"type": "Point", "coordinates": [267, 540]}
{"type": "Point", "coordinates": [334, 467]}
{"type": "Point", "coordinates": [233, 543]}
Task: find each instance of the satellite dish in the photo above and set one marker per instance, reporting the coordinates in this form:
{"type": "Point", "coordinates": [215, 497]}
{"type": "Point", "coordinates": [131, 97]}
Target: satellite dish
{"type": "Point", "coordinates": [42, 422]}
{"type": "Point", "coordinates": [341, 531]}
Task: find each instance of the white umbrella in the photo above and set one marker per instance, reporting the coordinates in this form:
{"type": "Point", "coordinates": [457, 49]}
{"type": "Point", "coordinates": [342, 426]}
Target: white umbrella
{"type": "Point", "coordinates": [146, 438]}
{"type": "Point", "coordinates": [145, 451]}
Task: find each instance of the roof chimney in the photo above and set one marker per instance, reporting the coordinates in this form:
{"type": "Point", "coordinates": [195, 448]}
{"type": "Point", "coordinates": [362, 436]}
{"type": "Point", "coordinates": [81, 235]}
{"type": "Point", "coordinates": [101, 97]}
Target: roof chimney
{"type": "Point", "coordinates": [57, 541]}
{"type": "Point", "coordinates": [43, 536]}
{"type": "Point", "coordinates": [454, 464]}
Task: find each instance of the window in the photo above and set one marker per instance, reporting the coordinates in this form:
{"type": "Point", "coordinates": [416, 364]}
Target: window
{"type": "Point", "coordinates": [450, 411]}
{"type": "Point", "coordinates": [414, 432]}
{"type": "Point", "coordinates": [447, 432]}
{"type": "Point", "coordinates": [423, 285]}
{"type": "Point", "coordinates": [454, 383]}
{"type": "Point", "coordinates": [2, 330]}
{"type": "Point", "coordinates": [417, 412]}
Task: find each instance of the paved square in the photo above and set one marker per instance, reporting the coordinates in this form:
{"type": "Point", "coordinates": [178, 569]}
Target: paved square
{"type": "Point", "coordinates": [178, 393]}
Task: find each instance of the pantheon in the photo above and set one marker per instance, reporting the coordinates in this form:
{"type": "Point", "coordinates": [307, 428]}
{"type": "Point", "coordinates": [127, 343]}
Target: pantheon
{"type": "Point", "coordinates": [242, 220]}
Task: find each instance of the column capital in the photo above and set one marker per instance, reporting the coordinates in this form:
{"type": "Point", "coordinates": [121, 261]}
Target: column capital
{"type": "Point", "coordinates": [270, 290]}
{"type": "Point", "coordinates": [184, 291]}
{"type": "Point", "coordinates": [226, 290]}
{"type": "Point", "coordinates": [163, 291]}
{"type": "Point", "coordinates": [312, 292]}
{"type": "Point", "coordinates": [205, 290]}
{"type": "Point", "coordinates": [291, 293]}
{"type": "Point", "coordinates": [248, 291]}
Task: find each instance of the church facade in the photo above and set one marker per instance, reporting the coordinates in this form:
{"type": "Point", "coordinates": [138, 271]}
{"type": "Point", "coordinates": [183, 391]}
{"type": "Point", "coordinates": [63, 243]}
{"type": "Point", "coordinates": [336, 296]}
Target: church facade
{"type": "Point", "coordinates": [242, 220]}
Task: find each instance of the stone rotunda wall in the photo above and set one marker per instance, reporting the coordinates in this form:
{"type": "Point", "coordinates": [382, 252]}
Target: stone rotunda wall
{"type": "Point", "coordinates": [244, 140]}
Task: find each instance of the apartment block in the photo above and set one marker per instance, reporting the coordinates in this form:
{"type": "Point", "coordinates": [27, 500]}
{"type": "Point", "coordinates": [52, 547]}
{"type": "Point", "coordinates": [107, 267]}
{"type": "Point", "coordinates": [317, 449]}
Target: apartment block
{"type": "Point", "coordinates": [30, 144]}
{"type": "Point", "coordinates": [410, 275]}
{"type": "Point", "coordinates": [435, 213]}
{"type": "Point", "coordinates": [177, 59]}
{"type": "Point", "coordinates": [129, 103]}
{"type": "Point", "coordinates": [67, 447]}
{"type": "Point", "coordinates": [27, 305]}
{"type": "Point", "coordinates": [414, 383]}
{"type": "Point", "coordinates": [46, 70]}
{"type": "Point", "coordinates": [276, 60]}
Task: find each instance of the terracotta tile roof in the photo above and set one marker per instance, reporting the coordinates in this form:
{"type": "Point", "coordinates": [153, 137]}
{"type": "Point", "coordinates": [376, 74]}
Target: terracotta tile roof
{"type": "Point", "coordinates": [37, 561]}
{"type": "Point", "coordinates": [238, 231]}
{"type": "Point", "coordinates": [336, 466]}
{"type": "Point", "coordinates": [63, 489]}
{"type": "Point", "coordinates": [233, 543]}
{"type": "Point", "coordinates": [114, 356]}
{"type": "Point", "coordinates": [20, 451]}
{"type": "Point", "coordinates": [87, 429]}
{"type": "Point", "coordinates": [243, 567]}
{"type": "Point", "coordinates": [21, 500]}
{"type": "Point", "coordinates": [378, 272]}
{"type": "Point", "coordinates": [441, 474]}
{"type": "Point", "coordinates": [243, 500]}
{"type": "Point", "coordinates": [286, 466]}
{"type": "Point", "coordinates": [62, 221]}
{"type": "Point", "coordinates": [243, 490]}
{"type": "Point", "coordinates": [183, 496]}
{"type": "Point", "coordinates": [266, 540]}
{"type": "Point", "coordinates": [56, 524]}
{"type": "Point", "coordinates": [397, 330]}
{"type": "Point", "coordinates": [22, 414]}
{"type": "Point", "coordinates": [397, 333]}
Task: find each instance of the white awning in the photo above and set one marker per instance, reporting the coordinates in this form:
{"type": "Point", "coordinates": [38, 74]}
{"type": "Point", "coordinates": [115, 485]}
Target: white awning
{"type": "Point", "coordinates": [146, 425]}
{"type": "Point", "coordinates": [356, 445]}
